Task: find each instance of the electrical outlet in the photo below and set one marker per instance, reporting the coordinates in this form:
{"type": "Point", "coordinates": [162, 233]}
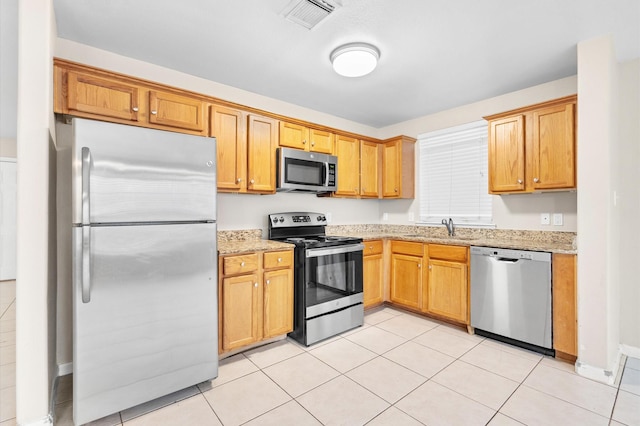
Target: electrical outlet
{"type": "Point", "coordinates": [544, 219]}
{"type": "Point", "coordinates": [557, 219]}
{"type": "Point", "coordinates": [411, 217]}
{"type": "Point", "coordinates": [385, 216]}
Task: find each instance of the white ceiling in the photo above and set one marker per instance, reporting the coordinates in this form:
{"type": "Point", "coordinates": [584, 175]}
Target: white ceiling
{"type": "Point", "coordinates": [435, 55]}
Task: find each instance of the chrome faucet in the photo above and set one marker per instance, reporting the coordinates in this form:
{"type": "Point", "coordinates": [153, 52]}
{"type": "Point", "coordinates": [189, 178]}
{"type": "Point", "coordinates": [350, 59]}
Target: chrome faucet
{"type": "Point", "coordinates": [449, 225]}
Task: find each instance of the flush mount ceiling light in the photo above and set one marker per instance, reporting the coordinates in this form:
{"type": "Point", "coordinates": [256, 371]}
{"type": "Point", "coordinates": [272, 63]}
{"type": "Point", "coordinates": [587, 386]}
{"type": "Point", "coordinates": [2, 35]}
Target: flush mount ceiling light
{"type": "Point", "coordinates": [355, 59]}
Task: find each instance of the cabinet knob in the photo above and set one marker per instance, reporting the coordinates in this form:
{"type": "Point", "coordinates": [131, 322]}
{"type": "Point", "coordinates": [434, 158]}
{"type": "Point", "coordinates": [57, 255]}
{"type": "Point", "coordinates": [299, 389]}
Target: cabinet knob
{"type": "Point", "coordinates": [241, 263]}
{"type": "Point", "coordinates": [154, 112]}
{"type": "Point", "coordinates": [252, 181]}
{"type": "Point", "coordinates": [304, 141]}
{"type": "Point", "coordinates": [313, 144]}
{"type": "Point", "coordinates": [279, 259]}
{"type": "Point", "coordinates": [536, 180]}
{"type": "Point", "coordinates": [134, 109]}
{"type": "Point", "coordinates": [519, 181]}
{"type": "Point", "coordinates": [429, 267]}
{"type": "Point", "coordinates": [255, 285]}
{"type": "Point", "coordinates": [395, 189]}
{"type": "Point", "coordinates": [419, 266]}
{"type": "Point", "coordinates": [238, 180]}
{"type": "Point", "coordinates": [268, 281]}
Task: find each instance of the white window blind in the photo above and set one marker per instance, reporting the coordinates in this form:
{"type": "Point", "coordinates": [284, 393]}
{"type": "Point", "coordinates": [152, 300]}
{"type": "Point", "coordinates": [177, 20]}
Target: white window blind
{"type": "Point", "coordinates": [453, 175]}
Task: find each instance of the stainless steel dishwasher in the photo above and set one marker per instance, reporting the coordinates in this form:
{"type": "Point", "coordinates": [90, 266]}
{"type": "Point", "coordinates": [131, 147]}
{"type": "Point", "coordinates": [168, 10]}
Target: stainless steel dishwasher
{"type": "Point", "coordinates": [511, 296]}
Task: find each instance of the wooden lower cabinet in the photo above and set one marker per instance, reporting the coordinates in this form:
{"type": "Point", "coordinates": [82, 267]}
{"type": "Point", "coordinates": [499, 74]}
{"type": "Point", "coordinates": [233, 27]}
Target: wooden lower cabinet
{"type": "Point", "coordinates": [447, 285]}
{"type": "Point", "coordinates": [240, 307]}
{"type": "Point", "coordinates": [372, 273]}
{"type": "Point", "coordinates": [255, 298]}
{"type": "Point", "coordinates": [278, 302]}
{"type": "Point", "coordinates": [406, 274]}
{"type": "Point", "coordinates": [565, 322]}
{"type": "Point", "coordinates": [447, 293]}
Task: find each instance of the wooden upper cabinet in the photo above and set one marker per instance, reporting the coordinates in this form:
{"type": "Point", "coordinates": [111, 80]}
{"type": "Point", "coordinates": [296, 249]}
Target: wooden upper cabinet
{"type": "Point", "coordinates": [305, 138]}
{"type": "Point", "coordinates": [369, 169]}
{"type": "Point", "coordinates": [398, 167]}
{"type": "Point", "coordinates": [506, 154]}
{"type": "Point", "coordinates": [321, 141]}
{"type": "Point", "coordinates": [101, 96]}
{"type": "Point", "coordinates": [553, 153]}
{"type": "Point", "coordinates": [172, 110]}
{"type": "Point", "coordinates": [262, 142]}
{"type": "Point", "coordinates": [533, 148]}
{"type": "Point", "coordinates": [294, 136]}
{"type": "Point", "coordinates": [348, 174]}
{"type": "Point", "coordinates": [228, 126]}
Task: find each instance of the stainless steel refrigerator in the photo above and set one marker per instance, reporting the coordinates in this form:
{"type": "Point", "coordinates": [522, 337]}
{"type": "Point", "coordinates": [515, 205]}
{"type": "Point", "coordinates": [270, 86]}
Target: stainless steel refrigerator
{"type": "Point", "coordinates": [145, 315]}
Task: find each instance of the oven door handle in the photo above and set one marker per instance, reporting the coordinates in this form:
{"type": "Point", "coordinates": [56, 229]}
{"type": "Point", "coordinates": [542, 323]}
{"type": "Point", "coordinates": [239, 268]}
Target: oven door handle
{"type": "Point", "coordinates": [333, 250]}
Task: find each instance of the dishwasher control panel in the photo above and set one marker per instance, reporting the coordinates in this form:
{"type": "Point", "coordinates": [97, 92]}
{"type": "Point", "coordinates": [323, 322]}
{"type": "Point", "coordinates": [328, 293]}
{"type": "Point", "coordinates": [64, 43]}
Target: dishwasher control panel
{"type": "Point", "coordinates": [511, 253]}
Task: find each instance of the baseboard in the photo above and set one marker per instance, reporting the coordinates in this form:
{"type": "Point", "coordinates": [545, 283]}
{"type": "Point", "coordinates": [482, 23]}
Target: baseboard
{"type": "Point", "coordinates": [65, 369]}
{"type": "Point", "coordinates": [600, 374]}
{"type": "Point", "coordinates": [630, 351]}
{"type": "Point", "coordinates": [46, 421]}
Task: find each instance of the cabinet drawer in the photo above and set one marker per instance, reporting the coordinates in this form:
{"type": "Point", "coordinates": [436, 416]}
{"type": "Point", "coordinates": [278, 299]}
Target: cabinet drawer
{"type": "Point", "coordinates": [278, 259]}
{"type": "Point", "coordinates": [407, 247]}
{"type": "Point", "coordinates": [446, 252]}
{"type": "Point", "coordinates": [240, 264]}
{"type": "Point", "coordinates": [372, 247]}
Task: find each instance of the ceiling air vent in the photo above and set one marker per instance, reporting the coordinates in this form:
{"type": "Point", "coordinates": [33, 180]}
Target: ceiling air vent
{"type": "Point", "coordinates": [309, 13]}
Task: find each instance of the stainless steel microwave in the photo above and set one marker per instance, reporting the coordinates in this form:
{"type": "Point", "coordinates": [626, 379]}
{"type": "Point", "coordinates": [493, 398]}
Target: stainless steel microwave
{"type": "Point", "coordinates": [304, 171]}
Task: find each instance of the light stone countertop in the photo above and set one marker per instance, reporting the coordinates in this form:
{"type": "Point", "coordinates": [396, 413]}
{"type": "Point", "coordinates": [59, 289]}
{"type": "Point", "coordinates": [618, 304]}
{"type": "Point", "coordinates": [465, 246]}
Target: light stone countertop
{"type": "Point", "coordinates": [243, 241]}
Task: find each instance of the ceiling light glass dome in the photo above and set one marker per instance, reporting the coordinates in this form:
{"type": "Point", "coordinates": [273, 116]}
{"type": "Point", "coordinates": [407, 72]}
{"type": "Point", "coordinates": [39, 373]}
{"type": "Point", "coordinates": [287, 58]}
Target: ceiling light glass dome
{"type": "Point", "coordinates": [355, 59]}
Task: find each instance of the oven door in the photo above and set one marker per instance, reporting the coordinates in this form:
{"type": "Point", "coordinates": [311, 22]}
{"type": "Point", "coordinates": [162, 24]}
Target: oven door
{"type": "Point", "coordinates": [333, 278]}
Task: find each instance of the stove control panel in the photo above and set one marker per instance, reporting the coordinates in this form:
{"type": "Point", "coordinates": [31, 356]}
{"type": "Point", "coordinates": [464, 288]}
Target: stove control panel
{"type": "Point", "coordinates": [288, 220]}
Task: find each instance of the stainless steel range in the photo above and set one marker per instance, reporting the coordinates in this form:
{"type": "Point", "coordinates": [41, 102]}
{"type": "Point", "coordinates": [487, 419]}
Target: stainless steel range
{"type": "Point", "coordinates": [327, 276]}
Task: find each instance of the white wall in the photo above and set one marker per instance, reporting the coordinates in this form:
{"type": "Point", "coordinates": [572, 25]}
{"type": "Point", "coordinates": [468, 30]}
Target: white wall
{"type": "Point", "coordinates": [8, 147]}
{"type": "Point", "coordinates": [628, 199]}
{"type": "Point", "coordinates": [35, 288]}
{"type": "Point", "coordinates": [598, 290]}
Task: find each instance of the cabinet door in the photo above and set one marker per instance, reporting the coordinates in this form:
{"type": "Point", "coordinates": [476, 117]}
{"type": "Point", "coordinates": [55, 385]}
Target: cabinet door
{"type": "Point", "coordinates": [321, 141]}
{"type": "Point", "coordinates": [391, 169]}
{"type": "Point", "coordinates": [369, 176]}
{"type": "Point", "coordinates": [448, 293]}
{"type": "Point", "coordinates": [348, 153]}
{"type": "Point", "coordinates": [229, 129]}
{"type": "Point", "coordinates": [261, 154]}
{"type": "Point", "coordinates": [278, 302]}
{"type": "Point", "coordinates": [182, 112]}
{"type": "Point", "coordinates": [506, 155]}
{"type": "Point", "coordinates": [372, 279]}
{"type": "Point", "coordinates": [406, 280]}
{"type": "Point", "coordinates": [294, 136]}
{"type": "Point", "coordinates": [241, 311]}
{"type": "Point", "coordinates": [553, 148]}
{"type": "Point", "coordinates": [564, 305]}
{"type": "Point", "coordinates": [101, 96]}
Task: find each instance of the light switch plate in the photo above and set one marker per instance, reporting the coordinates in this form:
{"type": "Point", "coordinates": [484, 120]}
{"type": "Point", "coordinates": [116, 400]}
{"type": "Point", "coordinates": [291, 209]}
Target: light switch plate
{"type": "Point", "coordinates": [557, 219]}
{"type": "Point", "coordinates": [329, 217]}
{"type": "Point", "coordinates": [385, 216]}
{"type": "Point", "coordinates": [544, 219]}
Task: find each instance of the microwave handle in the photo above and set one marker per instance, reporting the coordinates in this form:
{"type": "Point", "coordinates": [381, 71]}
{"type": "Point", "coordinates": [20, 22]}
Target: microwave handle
{"type": "Point", "coordinates": [325, 166]}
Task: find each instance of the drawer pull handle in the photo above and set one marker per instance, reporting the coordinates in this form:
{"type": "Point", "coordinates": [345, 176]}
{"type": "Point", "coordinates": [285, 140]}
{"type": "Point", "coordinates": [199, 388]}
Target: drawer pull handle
{"type": "Point", "coordinates": [268, 281]}
{"type": "Point", "coordinates": [134, 109]}
{"type": "Point", "coordinates": [279, 259]}
{"type": "Point", "coordinates": [255, 285]}
{"type": "Point", "coordinates": [154, 112]}
{"type": "Point", "coordinates": [241, 263]}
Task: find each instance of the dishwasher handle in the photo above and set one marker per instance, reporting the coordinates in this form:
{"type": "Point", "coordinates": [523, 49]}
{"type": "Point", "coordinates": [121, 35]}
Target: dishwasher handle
{"type": "Point", "coordinates": [504, 259]}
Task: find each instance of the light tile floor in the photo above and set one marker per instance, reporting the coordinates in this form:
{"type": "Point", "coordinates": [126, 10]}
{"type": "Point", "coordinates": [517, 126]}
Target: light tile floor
{"type": "Point", "coordinates": [398, 369]}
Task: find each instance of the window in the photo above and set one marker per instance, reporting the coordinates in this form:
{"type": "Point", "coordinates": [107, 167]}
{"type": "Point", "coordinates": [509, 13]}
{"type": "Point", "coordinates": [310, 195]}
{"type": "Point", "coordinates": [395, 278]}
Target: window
{"type": "Point", "coordinates": [453, 175]}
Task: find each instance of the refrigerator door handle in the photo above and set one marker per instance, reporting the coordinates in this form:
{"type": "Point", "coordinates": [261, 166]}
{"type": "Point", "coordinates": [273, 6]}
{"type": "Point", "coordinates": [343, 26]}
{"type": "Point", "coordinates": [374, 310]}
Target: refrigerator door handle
{"type": "Point", "coordinates": [86, 229]}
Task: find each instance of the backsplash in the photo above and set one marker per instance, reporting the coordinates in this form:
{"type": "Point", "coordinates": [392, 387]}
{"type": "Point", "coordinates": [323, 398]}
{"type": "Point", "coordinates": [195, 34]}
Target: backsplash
{"type": "Point", "coordinates": [470, 233]}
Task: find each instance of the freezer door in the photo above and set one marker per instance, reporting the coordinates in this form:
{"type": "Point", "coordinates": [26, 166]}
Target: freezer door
{"type": "Point", "coordinates": [141, 175]}
{"type": "Point", "coordinates": [150, 326]}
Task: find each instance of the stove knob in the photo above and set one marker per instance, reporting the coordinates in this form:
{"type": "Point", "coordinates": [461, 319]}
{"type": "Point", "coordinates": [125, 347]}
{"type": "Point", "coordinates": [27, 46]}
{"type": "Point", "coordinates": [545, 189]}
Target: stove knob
{"type": "Point", "coordinates": [281, 219]}
{"type": "Point", "coordinates": [319, 218]}
{"type": "Point", "coordinates": [275, 220]}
